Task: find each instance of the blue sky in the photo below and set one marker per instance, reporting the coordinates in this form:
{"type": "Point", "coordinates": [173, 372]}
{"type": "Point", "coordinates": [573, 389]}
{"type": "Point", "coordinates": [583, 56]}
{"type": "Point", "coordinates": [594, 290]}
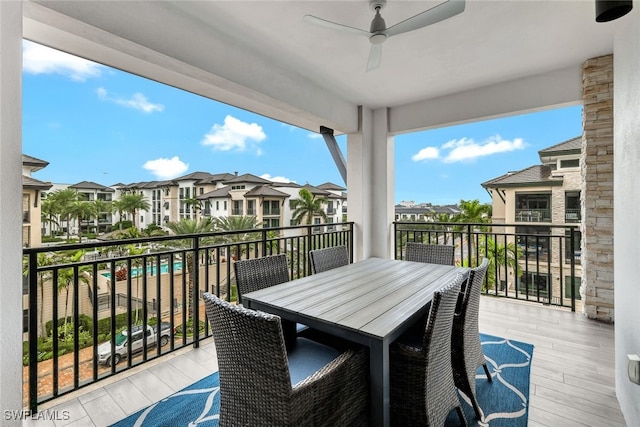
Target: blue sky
{"type": "Point", "coordinates": [95, 123]}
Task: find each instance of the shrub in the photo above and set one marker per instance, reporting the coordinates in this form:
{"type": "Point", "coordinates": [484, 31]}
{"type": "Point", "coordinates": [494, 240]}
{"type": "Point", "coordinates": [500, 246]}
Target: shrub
{"type": "Point", "coordinates": [86, 323]}
{"type": "Point", "coordinates": [180, 329]}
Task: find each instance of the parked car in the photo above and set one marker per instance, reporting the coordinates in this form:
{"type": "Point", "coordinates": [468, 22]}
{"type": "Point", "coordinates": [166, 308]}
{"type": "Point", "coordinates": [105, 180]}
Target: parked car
{"type": "Point", "coordinates": [120, 351]}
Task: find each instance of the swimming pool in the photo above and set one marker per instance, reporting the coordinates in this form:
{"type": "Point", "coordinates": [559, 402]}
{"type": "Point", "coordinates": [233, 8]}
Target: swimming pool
{"type": "Point", "coordinates": [151, 270]}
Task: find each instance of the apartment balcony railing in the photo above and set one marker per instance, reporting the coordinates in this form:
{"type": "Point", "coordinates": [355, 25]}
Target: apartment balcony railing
{"type": "Point", "coordinates": [331, 211]}
{"type": "Point", "coordinates": [270, 212]}
{"type": "Point", "coordinates": [541, 267]}
{"type": "Point", "coordinates": [77, 303]}
{"type": "Point", "coordinates": [237, 212]}
{"type": "Point", "coordinates": [572, 215]}
{"type": "Point", "coordinates": [251, 212]}
{"type": "Point", "coordinates": [533, 215]}
{"type": "Point", "coordinates": [26, 217]}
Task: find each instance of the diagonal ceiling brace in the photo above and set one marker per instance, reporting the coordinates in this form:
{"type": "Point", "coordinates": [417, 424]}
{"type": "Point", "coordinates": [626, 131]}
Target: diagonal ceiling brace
{"type": "Point", "coordinates": [334, 149]}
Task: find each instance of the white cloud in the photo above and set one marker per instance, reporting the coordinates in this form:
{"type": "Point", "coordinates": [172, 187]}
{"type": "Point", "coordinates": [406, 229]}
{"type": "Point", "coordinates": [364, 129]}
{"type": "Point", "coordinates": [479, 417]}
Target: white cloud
{"type": "Point", "coordinates": [234, 134]}
{"type": "Point", "coordinates": [137, 101]}
{"type": "Point", "coordinates": [312, 135]}
{"type": "Point", "coordinates": [427, 153]}
{"type": "Point", "coordinates": [38, 59]}
{"type": "Point", "coordinates": [275, 178]}
{"type": "Point", "coordinates": [166, 168]}
{"type": "Point", "coordinates": [468, 149]}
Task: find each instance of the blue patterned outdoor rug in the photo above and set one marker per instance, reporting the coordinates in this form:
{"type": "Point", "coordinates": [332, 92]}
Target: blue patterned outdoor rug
{"type": "Point", "coordinates": [504, 401]}
{"type": "Point", "coordinates": [196, 405]}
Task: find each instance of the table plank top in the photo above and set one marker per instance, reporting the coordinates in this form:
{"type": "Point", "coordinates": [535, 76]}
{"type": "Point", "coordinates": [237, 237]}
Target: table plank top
{"type": "Point", "coordinates": [374, 296]}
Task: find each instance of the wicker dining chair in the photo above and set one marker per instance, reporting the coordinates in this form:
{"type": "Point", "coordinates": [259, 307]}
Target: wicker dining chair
{"type": "Point", "coordinates": [328, 258]}
{"type": "Point", "coordinates": [260, 273]}
{"type": "Point", "coordinates": [466, 350]}
{"type": "Point", "coordinates": [263, 385]}
{"type": "Point", "coordinates": [422, 387]}
{"type": "Point", "coordinates": [433, 254]}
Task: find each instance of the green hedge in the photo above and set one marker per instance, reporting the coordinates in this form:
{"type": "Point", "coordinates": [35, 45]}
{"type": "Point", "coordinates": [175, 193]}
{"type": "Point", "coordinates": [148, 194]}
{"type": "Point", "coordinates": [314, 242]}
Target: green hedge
{"type": "Point", "coordinates": [85, 322]}
{"type": "Point", "coordinates": [45, 345]}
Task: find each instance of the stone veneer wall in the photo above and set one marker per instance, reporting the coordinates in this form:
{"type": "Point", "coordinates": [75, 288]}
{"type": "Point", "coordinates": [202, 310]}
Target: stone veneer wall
{"type": "Point", "coordinates": [597, 188]}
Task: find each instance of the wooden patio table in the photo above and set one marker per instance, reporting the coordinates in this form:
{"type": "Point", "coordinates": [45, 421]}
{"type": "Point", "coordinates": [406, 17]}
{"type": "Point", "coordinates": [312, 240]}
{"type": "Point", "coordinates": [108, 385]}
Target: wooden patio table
{"type": "Point", "coordinates": [371, 302]}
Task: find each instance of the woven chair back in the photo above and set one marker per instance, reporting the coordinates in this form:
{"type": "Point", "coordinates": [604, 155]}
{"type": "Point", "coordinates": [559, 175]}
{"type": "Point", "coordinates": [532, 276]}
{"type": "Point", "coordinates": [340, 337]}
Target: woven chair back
{"type": "Point", "coordinates": [260, 273]}
{"type": "Point", "coordinates": [433, 254]}
{"type": "Point", "coordinates": [254, 374]}
{"type": "Point", "coordinates": [328, 258]}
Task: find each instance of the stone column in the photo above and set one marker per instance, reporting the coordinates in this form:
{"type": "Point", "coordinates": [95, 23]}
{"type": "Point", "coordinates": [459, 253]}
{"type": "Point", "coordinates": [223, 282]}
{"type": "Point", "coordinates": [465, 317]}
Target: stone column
{"type": "Point", "coordinates": [597, 188]}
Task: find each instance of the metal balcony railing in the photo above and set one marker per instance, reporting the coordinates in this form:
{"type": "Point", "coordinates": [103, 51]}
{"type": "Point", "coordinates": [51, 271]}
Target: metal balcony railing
{"type": "Point", "coordinates": [572, 215]}
{"type": "Point", "coordinates": [533, 215]}
{"type": "Point", "coordinates": [541, 267]}
{"type": "Point", "coordinates": [78, 304]}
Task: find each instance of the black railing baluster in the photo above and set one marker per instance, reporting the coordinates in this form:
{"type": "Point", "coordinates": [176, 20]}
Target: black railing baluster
{"type": "Point", "coordinates": [76, 328]}
{"type": "Point", "coordinates": [195, 302]}
{"type": "Point", "coordinates": [33, 331]}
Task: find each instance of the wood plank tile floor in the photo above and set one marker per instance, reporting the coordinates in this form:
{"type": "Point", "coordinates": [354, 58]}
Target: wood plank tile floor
{"type": "Point", "coordinates": [572, 374]}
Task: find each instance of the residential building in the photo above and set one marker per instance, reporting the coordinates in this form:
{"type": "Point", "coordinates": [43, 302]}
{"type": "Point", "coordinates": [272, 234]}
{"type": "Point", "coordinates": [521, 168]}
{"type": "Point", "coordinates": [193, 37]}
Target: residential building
{"type": "Point", "coordinates": [541, 200]}
{"type": "Point", "coordinates": [92, 192]}
{"type": "Point", "coordinates": [412, 212]}
{"type": "Point", "coordinates": [31, 201]}
{"type": "Point", "coordinates": [190, 187]}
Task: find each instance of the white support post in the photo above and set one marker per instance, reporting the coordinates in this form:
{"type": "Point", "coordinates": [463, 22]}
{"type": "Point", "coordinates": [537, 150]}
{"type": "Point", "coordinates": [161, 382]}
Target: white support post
{"type": "Point", "coordinates": [11, 218]}
{"type": "Point", "coordinates": [370, 167]}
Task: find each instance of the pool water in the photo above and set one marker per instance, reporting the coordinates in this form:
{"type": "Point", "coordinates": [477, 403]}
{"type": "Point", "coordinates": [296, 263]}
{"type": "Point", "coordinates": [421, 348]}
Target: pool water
{"type": "Point", "coordinates": [151, 270]}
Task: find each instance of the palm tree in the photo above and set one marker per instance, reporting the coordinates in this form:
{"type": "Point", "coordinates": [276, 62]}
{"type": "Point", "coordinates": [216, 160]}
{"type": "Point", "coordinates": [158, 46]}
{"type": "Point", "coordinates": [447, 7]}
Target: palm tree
{"type": "Point", "coordinates": [49, 213]}
{"type": "Point", "coordinates": [499, 255]}
{"type": "Point", "coordinates": [133, 203]}
{"type": "Point", "coordinates": [193, 202]}
{"type": "Point", "coordinates": [66, 277]}
{"type": "Point", "coordinates": [444, 217]}
{"type": "Point", "coordinates": [81, 210]}
{"type": "Point", "coordinates": [118, 207]}
{"type": "Point", "coordinates": [307, 206]}
{"type": "Point", "coordinates": [472, 211]}
{"type": "Point", "coordinates": [100, 207]}
{"type": "Point", "coordinates": [63, 199]}
{"type": "Point", "coordinates": [137, 263]}
{"type": "Point", "coordinates": [235, 224]}
{"type": "Point", "coordinates": [190, 226]}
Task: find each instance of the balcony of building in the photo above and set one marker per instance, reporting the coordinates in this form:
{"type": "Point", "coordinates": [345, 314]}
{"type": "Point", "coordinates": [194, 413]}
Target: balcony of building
{"type": "Point", "coordinates": [102, 289]}
{"type": "Point", "coordinates": [518, 69]}
{"type": "Point", "coordinates": [572, 371]}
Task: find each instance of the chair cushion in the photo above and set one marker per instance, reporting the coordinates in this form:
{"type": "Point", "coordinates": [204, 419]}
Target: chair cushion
{"type": "Point", "coordinates": [308, 357]}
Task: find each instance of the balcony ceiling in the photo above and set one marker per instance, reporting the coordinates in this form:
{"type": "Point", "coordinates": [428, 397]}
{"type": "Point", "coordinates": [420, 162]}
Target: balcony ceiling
{"type": "Point", "coordinates": [262, 55]}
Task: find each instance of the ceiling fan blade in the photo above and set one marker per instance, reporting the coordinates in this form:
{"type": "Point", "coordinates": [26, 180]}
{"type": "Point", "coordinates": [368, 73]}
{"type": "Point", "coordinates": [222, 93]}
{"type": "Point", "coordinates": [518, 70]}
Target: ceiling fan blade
{"type": "Point", "coordinates": [375, 57]}
{"type": "Point", "coordinates": [335, 26]}
{"type": "Point", "coordinates": [431, 16]}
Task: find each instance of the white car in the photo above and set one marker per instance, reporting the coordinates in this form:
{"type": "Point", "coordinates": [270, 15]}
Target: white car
{"type": "Point", "coordinates": [120, 352]}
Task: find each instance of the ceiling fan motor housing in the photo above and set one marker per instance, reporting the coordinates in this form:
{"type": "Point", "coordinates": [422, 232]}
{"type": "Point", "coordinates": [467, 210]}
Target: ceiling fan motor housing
{"type": "Point", "coordinates": [377, 4]}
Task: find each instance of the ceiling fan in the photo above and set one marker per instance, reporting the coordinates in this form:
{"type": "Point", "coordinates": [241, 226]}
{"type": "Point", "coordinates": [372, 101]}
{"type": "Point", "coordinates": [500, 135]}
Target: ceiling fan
{"type": "Point", "coordinates": [379, 32]}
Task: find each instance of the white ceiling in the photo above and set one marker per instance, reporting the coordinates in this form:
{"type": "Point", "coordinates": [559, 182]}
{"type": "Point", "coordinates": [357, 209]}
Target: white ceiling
{"type": "Point", "coordinates": [262, 55]}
